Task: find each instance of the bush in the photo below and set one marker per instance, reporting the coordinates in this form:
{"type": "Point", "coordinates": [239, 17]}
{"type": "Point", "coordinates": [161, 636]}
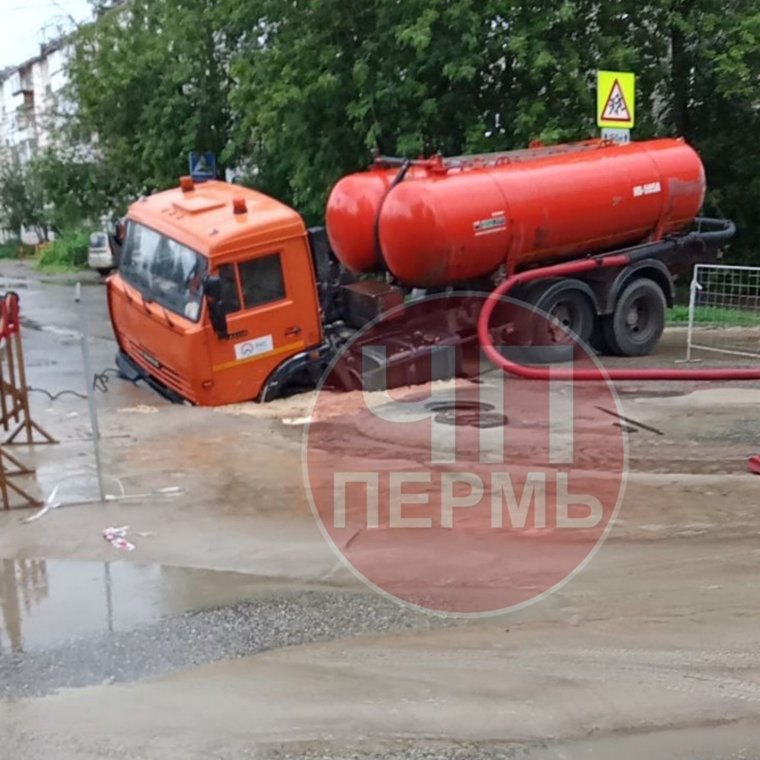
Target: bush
{"type": "Point", "coordinates": [14, 249]}
{"type": "Point", "coordinates": [67, 251]}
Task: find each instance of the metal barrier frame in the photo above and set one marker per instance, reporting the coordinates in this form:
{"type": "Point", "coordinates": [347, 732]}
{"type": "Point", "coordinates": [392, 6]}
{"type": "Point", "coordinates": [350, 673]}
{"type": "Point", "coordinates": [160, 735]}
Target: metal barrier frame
{"type": "Point", "coordinates": [694, 289]}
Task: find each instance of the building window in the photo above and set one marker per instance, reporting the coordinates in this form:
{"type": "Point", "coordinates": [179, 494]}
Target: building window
{"type": "Point", "coordinates": [262, 281]}
{"type": "Point", "coordinates": [228, 281]}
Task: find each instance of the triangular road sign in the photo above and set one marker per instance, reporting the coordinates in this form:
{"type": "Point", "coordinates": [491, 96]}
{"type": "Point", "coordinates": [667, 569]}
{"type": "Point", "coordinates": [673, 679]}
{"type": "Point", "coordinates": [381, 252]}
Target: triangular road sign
{"type": "Point", "coordinates": [616, 108]}
{"type": "Point", "coordinates": [201, 165]}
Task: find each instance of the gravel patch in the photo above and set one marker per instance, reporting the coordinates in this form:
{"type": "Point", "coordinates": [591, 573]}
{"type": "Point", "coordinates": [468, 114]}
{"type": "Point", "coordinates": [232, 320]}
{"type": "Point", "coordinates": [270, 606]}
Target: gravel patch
{"type": "Point", "coordinates": [205, 636]}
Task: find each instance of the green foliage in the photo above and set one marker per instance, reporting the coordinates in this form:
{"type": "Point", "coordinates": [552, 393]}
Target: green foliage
{"type": "Point", "coordinates": [14, 249]}
{"type": "Point", "coordinates": [715, 104]}
{"type": "Point", "coordinates": [295, 93]}
{"type": "Point", "coordinates": [53, 192]}
{"type": "Point", "coordinates": [22, 201]}
{"type": "Point", "coordinates": [67, 251]}
{"type": "Point", "coordinates": [322, 83]}
{"type": "Point", "coordinates": [149, 80]}
{"type": "Point", "coordinates": [9, 249]}
{"type": "Point", "coordinates": [75, 191]}
{"type": "Point", "coordinates": [713, 316]}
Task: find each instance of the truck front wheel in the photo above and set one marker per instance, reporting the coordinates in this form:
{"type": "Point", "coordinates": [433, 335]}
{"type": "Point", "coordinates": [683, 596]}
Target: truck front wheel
{"type": "Point", "coordinates": [636, 325]}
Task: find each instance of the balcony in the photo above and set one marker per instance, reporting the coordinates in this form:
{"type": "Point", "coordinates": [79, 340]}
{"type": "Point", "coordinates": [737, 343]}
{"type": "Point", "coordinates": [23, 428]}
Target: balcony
{"type": "Point", "coordinates": [21, 83]}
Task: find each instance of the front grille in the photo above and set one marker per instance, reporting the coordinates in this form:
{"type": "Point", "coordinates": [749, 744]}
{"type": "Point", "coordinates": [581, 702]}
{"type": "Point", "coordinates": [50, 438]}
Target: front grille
{"type": "Point", "coordinates": [165, 374]}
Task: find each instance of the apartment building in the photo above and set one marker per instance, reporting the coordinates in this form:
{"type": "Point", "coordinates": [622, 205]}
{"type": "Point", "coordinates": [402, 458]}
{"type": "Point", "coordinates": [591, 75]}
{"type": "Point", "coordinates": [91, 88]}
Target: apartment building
{"type": "Point", "coordinates": [32, 105]}
{"type": "Point", "coordinates": [32, 100]}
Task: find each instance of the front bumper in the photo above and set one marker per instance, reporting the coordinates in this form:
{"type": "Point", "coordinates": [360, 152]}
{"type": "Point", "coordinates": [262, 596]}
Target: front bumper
{"type": "Point", "coordinates": [100, 260]}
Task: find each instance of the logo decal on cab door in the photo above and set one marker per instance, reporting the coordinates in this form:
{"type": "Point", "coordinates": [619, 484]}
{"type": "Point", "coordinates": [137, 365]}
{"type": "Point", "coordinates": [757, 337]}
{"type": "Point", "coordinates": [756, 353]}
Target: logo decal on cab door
{"type": "Point", "coordinates": [254, 347]}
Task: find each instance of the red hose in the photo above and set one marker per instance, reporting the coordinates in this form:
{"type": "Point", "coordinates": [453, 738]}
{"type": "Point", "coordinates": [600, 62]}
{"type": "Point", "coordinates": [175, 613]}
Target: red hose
{"type": "Point", "coordinates": [594, 374]}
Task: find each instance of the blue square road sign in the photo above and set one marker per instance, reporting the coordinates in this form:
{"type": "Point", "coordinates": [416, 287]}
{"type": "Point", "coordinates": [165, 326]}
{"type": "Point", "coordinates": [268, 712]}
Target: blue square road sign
{"type": "Point", "coordinates": [202, 166]}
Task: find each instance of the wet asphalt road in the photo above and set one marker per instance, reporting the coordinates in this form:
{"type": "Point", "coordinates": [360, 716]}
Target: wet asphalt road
{"type": "Point", "coordinates": [668, 598]}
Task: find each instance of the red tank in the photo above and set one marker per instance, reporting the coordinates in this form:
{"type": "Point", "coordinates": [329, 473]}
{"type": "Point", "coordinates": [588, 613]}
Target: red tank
{"type": "Point", "coordinates": [448, 220]}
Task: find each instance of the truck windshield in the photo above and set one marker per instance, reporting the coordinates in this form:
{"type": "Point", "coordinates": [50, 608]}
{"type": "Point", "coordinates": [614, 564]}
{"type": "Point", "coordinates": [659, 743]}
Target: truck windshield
{"type": "Point", "coordinates": [163, 270]}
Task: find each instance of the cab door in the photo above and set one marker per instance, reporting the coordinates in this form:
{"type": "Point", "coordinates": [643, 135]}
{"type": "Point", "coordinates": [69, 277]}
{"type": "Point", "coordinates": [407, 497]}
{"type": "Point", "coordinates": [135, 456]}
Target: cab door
{"type": "Point", "coordinates": [270, 300]}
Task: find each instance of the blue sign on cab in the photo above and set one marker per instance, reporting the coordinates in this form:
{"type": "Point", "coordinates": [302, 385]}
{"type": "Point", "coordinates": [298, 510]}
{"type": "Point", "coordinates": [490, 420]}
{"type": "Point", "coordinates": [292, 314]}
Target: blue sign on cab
{"type": "Point", "coordinates": [202, 166]}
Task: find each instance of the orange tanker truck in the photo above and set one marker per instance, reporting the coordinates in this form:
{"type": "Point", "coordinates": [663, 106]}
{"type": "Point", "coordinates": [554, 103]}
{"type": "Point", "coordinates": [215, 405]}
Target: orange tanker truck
{"type": "Point", "coordinates": [223, 295]}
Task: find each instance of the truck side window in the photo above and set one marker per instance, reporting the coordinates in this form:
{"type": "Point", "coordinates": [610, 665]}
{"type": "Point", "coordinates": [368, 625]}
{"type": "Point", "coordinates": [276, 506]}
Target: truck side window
{"type": "Point", "coordinates": [230, 297]}
{"type": "Point", "coordinates": [262, 281]}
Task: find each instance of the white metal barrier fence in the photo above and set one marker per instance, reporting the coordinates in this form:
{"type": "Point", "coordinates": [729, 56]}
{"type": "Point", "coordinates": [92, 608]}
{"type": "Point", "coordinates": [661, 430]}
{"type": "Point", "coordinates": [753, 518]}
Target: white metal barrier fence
{"type": "Point", "coordinates": [724, 310]}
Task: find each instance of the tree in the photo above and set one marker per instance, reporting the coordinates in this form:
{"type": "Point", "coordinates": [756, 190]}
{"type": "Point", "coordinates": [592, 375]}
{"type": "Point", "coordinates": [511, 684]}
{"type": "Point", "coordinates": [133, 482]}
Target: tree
{"type": "Point", "coordinates": [75, 189]}
{"type": "Point", "coordinates": [298, 92]}
{"type": "Point", "coordinates": [150, 85]}
{"type": "Point", "coordinates": [707, 68]}
{"type": "Point", "coordinates": [22, 203]}
{"type": "Point", "coordinates": [322, 83]}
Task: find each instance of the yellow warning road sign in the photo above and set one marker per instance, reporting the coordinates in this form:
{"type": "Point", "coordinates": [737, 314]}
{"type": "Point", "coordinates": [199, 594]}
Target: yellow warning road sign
{"type": "Point", "coordinates": [616, 99]}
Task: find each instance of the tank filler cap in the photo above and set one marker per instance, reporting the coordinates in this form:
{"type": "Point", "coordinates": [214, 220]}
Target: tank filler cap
{"type": "Point", "coordinates": [437, 165]}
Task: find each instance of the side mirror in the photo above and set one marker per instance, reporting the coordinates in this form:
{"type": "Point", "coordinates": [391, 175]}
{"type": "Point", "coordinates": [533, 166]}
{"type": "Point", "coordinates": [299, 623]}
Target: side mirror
{"type": "Point", "coordinates": [212, 290]}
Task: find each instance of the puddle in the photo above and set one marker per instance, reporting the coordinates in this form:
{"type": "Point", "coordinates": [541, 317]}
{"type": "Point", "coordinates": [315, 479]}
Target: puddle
{"type": "Point", "coordinates": [30, 324]}
{"type": "Point", "coordinates": [44, 603]}
{"type": "Point", "coordinates": [61, 332]}
{"type": "Point", "coordinates": [11, 285]}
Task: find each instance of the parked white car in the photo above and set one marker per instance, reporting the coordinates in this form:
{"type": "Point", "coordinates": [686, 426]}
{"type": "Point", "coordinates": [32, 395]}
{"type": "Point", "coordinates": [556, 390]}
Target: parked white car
{"type": "Point", "coordinates": [99, 255]}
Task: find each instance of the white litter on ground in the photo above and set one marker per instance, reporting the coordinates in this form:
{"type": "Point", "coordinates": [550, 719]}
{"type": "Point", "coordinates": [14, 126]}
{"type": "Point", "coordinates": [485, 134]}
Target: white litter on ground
{"type": "Point", "coordinates": [140, 409]}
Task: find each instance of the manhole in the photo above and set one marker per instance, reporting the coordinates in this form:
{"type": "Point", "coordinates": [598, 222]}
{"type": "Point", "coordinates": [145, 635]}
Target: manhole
{"type": "Point", "coordinates": [467, 414]}
{"type": "Point", "coordinates": [463, 406]}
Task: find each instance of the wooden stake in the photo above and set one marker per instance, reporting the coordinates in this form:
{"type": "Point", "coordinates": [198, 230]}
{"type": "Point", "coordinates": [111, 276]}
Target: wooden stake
{"type": "Point", "coordinates": [6, 484]}
{"type": "Point", "coordinates": [16, 387]}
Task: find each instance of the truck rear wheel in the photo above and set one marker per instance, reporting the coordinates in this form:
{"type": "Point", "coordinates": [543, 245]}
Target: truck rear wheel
{"type": "Point", "coordinates": [637, 324]}
{"type": "Point", "coordinates": [570, 310]}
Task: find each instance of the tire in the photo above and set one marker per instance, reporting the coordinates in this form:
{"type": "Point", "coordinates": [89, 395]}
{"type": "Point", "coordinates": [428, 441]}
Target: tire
{"type": "Point", "coordinates": [598, 340]}
{"type": "Point", "coordinates": [571, 312]}
{"type": "Point", "coordinates": [104, 272]}
{"type": "Point", "coordinates": [637, 324]}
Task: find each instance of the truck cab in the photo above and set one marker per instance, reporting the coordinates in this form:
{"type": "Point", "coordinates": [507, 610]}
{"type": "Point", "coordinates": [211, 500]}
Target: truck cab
{"type": "Point", "coordinates": [215, 291]}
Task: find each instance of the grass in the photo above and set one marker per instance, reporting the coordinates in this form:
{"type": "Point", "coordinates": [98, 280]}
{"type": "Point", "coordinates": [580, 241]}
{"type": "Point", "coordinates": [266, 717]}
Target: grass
{"type": "Point", "coordinates": [68, 252]}
{"type": "Point", "coordinates": [718, 317]}
{"type": "Point", "coordinates": [15, 249]}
